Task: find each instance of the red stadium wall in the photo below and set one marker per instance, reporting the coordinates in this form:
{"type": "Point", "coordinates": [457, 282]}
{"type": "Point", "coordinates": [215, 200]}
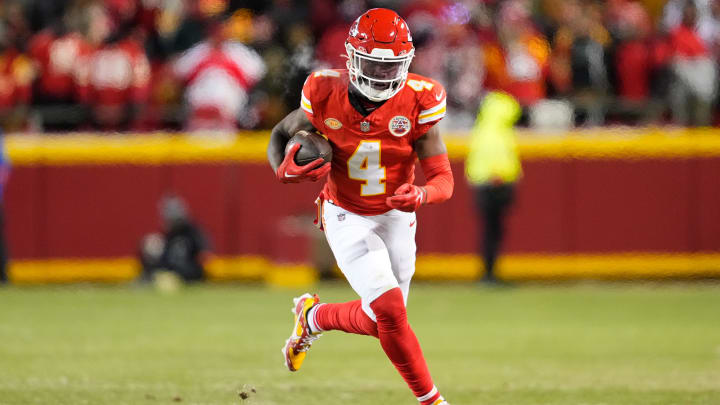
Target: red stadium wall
{"type": "Point", "coordinates": [591, 204]}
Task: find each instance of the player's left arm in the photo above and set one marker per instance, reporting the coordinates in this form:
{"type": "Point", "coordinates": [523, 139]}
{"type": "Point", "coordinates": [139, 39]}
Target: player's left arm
{"type": "Point", "coordinates": [433, 156]}
{"type": "Point", "coordinates": [432, 152]}
{"type": "Point", "coordinates": [435, 163]}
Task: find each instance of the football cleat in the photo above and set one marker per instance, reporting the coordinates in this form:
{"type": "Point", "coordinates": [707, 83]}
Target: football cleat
{"type": "Point", "coordinates": [301, 339]}
{"type": "Point", "coordinates": [440, 401]}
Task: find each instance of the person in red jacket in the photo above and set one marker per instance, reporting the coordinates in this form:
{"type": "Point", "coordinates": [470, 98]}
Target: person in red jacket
{"type": "Point", "coordinates": [219, 75]}
{"type": "Point", "coordinates": [694, 83]}
{"type": "Point", "coordinates": [57, 54]}
{"type": "Point", "coordinates": [115, 81]}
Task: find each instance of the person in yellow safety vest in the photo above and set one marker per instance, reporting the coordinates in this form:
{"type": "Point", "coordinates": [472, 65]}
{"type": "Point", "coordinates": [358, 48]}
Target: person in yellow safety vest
{"type": "Point", "coordinates": [492, 169]}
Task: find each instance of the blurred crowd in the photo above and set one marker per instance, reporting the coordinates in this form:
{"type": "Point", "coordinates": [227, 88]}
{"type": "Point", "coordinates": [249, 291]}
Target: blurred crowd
{"type": "Point", "coordinates": [220, 65]}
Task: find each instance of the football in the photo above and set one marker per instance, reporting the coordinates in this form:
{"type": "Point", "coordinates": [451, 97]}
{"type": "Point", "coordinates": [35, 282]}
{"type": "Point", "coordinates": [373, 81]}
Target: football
{"type": "Point", "coordinates": [312, 146]}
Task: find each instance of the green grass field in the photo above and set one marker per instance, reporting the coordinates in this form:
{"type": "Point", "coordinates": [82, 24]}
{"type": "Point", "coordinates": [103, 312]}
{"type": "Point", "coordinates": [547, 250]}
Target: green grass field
{"type": "Point", "coordinates": [572, 344]}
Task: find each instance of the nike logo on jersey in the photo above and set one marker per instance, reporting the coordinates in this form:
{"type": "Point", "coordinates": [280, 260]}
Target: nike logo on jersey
{"type": "Point", "coordinates": [412, 223]}
{"type": "Point", "coordinates": [440, 96]}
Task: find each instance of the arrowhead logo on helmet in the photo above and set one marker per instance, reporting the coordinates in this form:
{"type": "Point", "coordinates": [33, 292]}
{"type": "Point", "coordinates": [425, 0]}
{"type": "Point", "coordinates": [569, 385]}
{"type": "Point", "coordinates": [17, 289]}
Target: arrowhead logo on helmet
{"type": "Point", "coordinates": [380, 49]}
{"type": "Point", "coordinates": [354, 28]}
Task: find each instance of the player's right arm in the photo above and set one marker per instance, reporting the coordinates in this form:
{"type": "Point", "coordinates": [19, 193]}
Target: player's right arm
{"type": "Point", "coordinates": [284, 165]}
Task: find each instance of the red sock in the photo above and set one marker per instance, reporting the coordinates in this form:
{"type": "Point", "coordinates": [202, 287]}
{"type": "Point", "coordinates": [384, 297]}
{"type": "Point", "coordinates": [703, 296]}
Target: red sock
{"type": "Point", "coordinates": [347, 317]}
{"type": "Point", "coordinates": [401, 345]}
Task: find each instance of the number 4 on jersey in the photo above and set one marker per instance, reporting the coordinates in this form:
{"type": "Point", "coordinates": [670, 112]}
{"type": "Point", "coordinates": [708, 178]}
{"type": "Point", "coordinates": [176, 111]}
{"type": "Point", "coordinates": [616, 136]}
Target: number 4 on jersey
{"type": "Point", "coordinates": [419, 85]}
{"type": "Point", "coordinates": [327, 73]}
{"type": "Point", "coordinates": [364, 165]}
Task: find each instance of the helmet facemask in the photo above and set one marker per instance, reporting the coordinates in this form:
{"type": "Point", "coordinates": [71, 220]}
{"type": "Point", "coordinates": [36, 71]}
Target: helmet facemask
{"type": "Point", "coordinates": [378, 77]}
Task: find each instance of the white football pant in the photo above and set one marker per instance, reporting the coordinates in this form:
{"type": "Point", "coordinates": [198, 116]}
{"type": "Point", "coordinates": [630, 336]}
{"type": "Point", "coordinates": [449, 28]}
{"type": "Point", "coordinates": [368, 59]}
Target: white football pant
{"type": "Point", "coordinates": [375, 253]}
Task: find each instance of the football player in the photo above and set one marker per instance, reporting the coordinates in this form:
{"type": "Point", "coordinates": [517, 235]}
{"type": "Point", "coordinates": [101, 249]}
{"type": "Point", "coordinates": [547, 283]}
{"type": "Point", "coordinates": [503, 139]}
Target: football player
{"type": "Point", "coordinates": [379, 119]}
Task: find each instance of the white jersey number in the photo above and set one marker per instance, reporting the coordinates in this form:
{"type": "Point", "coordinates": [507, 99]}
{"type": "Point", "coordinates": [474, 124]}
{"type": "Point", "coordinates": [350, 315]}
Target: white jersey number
{"type": "Point", "coordinates": [327, 73]}
{"type": "Point", "coordinates": [364, 165]}
{"type": "Point", "coordinates": [419, 85]}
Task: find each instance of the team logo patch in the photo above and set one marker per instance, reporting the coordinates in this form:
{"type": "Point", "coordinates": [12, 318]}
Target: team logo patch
{"type": "Point", "coordinates": [365, 126]}
{"type": "Point", "coordinates": [332, 123]}
{"type": "Point", "coordinates": [399, 125]}
{"type": "Point", "coordinates": [341, 216]}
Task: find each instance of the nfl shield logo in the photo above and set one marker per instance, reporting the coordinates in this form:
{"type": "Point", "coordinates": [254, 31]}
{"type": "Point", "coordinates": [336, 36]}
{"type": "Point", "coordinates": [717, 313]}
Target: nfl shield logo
{"type": "Point", "coordinates": [341, 216]}
{"type": "Point", "coordinates": [365, 126]}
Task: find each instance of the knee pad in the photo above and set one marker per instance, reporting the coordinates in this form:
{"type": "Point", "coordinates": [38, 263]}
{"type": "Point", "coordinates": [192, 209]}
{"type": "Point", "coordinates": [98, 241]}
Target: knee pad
{"type": "Point", "coordinates": [390, 311]}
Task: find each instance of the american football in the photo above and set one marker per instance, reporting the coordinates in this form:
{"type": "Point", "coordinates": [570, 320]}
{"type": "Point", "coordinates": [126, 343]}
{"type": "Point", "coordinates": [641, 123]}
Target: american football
{"type": "Point", "coordinates": [312, 146]}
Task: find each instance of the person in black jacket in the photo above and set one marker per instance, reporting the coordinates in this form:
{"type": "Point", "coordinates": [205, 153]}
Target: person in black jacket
{"type": "Point", "coordinates": [182, 248]}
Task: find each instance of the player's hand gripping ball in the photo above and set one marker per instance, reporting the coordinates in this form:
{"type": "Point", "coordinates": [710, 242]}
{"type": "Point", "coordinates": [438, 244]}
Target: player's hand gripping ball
{"type": "Point", "coordinates": [408, 198]}
{"type": "Point", "coordinates": [307, 158]}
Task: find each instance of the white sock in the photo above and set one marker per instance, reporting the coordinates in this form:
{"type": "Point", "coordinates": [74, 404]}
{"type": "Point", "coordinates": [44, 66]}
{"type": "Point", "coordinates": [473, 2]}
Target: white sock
{"type": "Point", "coordinates": [429, 395]}
{"type": "Point", "coordinates": [311, 319]}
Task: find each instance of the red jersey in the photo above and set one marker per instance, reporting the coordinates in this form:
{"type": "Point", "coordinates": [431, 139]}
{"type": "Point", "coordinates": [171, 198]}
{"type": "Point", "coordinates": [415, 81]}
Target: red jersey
{"type": "Point", "coordinates": [16, 76]}
{"type": "Point", "coordinates": [58, 59]}
{"type": "Point", "coordinates": [115, 75]}
{"type": "Point", "coordinates": [375, 154]}
{"type": "Point", "coordinates": [687, 43]}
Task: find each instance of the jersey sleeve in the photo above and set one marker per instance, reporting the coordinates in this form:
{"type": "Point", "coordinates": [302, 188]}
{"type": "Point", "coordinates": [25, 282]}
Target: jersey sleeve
{"type": "Point", "coordinates": [314, 93]}
{"type": "Point", "coordinates": [305, 103]}
{"type": "Point", "coordinates": [432, 107]}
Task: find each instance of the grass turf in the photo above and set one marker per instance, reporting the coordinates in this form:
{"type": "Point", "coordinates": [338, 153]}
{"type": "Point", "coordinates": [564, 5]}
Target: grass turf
{"type": "Point", "coordinates": [579, 344]}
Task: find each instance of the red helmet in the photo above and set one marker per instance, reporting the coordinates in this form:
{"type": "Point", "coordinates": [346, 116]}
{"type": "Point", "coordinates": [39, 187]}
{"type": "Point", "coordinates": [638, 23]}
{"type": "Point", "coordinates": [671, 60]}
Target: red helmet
{"type": "Point", "coordinates": [380, 50]}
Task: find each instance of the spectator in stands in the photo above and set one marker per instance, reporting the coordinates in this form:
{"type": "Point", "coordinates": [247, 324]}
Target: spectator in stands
{"type": "Point", "coordinates": [493, 168]}
{"type": "Point", "coordinates": [182, 248]}
{"type": "Point", "coordinates": [16, 29]}
{"type": "Point", "coordinates": [449, 49]}
{"type": "Point", "coordinates": [4, 174]}
{"type": "Point", "coordinates": [16, 69]}
{"type": "Point", "coordinates": [600, 49]}
{"type": "Point", "coordinates": [219, 75]}
{"type": "Point", "coordinates": [428, 32]}
{"type": "Point", "coordinates": [517, 63]}
{"type": "Point", "coordinates": [694, 86]}
{"type": "Point", "coordinates": [115, 83]}
{"type": "Point", "coordinates": [16, 76]}
{"type": "Point", "coordinates": [57, 53]}
{"type": "Point", "coordinates": [630, 24]}
{"type": "Point", "coordinates": [193, 27]}
{"type": "Point", "coordinates": [709, 31]}
{"type": "Point", "coordinates": [673, 14]}
{"type": "Point", "coordinates": [580, 42]}
{"type": "Point", "coordinates": [330, 49]}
